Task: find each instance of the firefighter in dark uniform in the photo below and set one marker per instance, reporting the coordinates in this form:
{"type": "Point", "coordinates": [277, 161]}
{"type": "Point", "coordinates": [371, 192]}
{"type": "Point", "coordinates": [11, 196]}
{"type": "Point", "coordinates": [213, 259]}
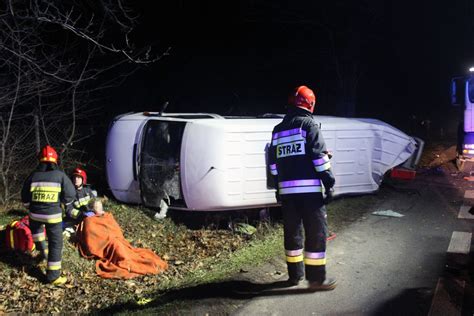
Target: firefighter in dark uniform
{"type": "Point", "coordinates": [299, 161]}
{"type": "Point", "coordinates": [83, 196]}
{"type": "Point", "coordinates": [44, 191]}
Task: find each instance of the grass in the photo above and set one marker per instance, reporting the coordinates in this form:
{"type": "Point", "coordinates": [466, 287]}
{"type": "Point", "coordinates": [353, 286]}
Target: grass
{"type": "Point", "coordinates": [195, 256]}
{"type": "Point", "coordinates": [11, 212]}
{"type": "Point", "coordinates": [256, 252]}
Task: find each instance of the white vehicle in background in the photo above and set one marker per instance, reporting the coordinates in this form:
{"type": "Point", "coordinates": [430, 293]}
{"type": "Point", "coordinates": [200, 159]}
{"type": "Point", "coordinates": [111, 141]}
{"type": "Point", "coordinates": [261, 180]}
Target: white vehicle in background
{"type": "Point", "coordinates": [462, 94]}
{"type": "Point", "coordinates": [208, 162]}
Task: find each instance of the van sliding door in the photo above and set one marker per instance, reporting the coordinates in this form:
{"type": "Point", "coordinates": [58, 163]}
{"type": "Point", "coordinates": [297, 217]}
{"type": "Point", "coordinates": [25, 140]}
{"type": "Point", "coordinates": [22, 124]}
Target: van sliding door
{"type": "Point", "coordinates": [159, 161]}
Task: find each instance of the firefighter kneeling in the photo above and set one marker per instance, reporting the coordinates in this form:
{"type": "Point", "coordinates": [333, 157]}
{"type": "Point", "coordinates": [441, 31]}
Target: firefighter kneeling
{"type": "Point", "coordinates": [299, 161]}
{"type": "Point", "coordinates": [44, 191]}
{"type": "Point", "coordinates": [83, 196]}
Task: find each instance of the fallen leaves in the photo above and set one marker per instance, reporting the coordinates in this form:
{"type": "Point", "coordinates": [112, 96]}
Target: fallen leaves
{"type": "Point", "coordinates": [185, 250]}
{"type": "Point", "coordinates": [144, 301]}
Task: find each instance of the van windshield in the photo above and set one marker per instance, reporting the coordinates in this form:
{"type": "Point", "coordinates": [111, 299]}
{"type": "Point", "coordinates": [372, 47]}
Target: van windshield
{"type": "Point", "coordinates": [159, 161]}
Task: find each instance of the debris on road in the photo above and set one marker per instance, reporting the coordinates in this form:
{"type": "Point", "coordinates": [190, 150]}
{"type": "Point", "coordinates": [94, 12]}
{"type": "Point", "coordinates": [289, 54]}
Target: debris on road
{"type": "Point", "coordinates": [331, 236]}
{"type": "Point", "coordinates": [388, 213]}
{"type": "Point", "coordinates": [447, 154]}
{"type": "Point", "coordinates": [403, 173]}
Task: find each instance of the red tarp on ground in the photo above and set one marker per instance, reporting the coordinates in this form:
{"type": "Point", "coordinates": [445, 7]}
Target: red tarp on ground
{"type": "Point", "coordinates": [102, 238]}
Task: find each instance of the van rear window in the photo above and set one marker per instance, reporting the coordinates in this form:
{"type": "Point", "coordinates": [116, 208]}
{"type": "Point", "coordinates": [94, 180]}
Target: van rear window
{"type": "Point", "coordinates": [159, 161]}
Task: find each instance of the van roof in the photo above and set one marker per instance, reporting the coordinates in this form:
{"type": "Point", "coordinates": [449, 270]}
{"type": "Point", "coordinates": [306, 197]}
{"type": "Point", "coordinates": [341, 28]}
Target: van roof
{"type": "Point", "coordinates": [193, 116]}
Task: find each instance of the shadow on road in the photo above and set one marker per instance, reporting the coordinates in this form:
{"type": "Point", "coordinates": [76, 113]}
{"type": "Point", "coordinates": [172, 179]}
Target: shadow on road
{"type": "Point", "coordinates": [230, 289]}
{"type": "Point", "coordinates": [415, 301]}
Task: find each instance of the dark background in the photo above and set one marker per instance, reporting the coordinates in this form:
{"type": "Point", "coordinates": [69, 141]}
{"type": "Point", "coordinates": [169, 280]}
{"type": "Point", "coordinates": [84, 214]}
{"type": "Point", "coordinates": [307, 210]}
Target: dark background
{"type": "Point", "coordinates": [245, 57]}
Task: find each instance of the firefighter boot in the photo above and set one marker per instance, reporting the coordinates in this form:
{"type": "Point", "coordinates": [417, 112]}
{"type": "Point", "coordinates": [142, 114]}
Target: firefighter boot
{"type": "Point", "coordinates": [294, 281]}
{"type": "Point", "coordinates": [59, 281]}
{"type": "Point", "coordinates": [328, 284]}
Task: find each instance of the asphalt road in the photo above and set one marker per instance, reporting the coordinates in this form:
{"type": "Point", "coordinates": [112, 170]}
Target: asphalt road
{"type": "Point", "coordinates": [387, 265]}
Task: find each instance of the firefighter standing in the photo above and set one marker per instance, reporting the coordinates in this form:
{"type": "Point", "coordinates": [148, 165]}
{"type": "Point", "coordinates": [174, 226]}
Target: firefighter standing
{"type": "Point", "coordinates": [84, 194]}
{"type": "Point", "coordinates": [299, 160]}
{"type": "Point", "coordinates": [43, 192]}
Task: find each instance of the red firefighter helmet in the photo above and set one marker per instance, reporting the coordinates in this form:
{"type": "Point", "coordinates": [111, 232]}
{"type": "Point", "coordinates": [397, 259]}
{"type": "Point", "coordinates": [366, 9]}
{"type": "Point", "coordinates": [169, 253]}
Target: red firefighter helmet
{"type": "Point", "coordinates": [48, 154]}
{"type": "Point", "coordinates": [304, 98]}
{"type": "Point", "coordinates": [80, 173]}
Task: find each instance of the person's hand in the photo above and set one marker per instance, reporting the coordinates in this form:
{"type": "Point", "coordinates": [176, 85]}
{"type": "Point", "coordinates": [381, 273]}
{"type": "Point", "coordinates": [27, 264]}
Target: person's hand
{"type": "Point", "coordinates": [329, 196]}
{"type": "Point", "coordinates": [329, 154]}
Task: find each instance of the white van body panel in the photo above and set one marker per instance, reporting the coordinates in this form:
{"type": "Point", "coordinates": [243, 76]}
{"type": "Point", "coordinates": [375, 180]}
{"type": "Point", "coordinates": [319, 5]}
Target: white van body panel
{"type": "Point", "coordinates": [223, 164]}
{"type": "Point", "coordinates": [223, 161]}
{"type": "Point", "coordinates": [363, 150]}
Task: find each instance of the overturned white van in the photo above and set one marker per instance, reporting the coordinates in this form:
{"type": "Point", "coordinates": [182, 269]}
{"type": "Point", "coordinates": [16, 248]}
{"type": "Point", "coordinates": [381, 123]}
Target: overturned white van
{"type": "Point", "coordinates": [209, 162]}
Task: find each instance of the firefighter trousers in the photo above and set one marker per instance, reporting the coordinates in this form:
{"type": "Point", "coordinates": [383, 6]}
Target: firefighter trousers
{"type": "Point", "coordinates": [52, 250]}
{"type": "Point", "coordinates": [305, 255]}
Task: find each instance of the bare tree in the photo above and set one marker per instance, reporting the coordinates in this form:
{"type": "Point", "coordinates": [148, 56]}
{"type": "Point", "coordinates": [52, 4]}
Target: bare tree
{"type": "Point", "coordinates": [53, 58]}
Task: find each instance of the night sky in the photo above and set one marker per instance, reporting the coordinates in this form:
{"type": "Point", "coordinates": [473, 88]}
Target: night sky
{"type": "Point", "coordinates": [245, 57]}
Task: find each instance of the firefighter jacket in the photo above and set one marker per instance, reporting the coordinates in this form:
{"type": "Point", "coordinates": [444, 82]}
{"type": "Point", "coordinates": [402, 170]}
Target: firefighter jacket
{"type": "Point", "coordinates": [45, 190]}
{"type": "Point", "coordinates": [82, 199]}
{"type": "Point", "coordinates": [298, 158]}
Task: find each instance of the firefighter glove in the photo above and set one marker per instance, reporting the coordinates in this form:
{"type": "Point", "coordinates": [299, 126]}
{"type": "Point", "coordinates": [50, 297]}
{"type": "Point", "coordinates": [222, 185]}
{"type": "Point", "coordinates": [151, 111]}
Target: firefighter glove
{"type": "Point", "coordinates": [329, 196]}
